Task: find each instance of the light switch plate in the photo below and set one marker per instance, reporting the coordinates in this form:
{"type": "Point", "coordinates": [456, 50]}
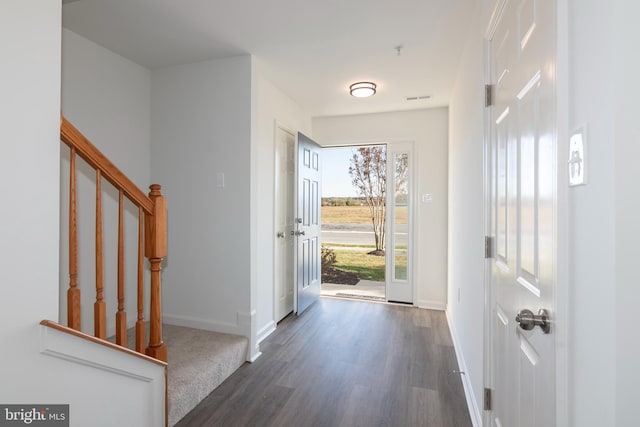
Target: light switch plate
{"type": "Point", "coordinates": [427, 198]}
{"type": "Point", "coordinates": [577, 158]}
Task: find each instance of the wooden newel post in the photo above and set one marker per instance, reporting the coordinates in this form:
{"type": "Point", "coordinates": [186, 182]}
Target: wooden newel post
{"type": "Point", "coordinates": [155, 249]}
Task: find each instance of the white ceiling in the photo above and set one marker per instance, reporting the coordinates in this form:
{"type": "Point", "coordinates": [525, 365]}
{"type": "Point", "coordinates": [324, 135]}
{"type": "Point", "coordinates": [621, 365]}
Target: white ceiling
{"type": "Point", "coordinates": [311, 50]}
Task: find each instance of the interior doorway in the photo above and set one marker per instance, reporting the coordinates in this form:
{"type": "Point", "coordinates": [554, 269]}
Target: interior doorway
{"type": "Point", "coordinates": [354, 220]}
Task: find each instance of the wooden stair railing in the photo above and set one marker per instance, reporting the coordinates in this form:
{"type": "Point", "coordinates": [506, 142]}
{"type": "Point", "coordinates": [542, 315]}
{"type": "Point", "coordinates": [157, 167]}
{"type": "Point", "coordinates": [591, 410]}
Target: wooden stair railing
{"type": "Point", "coordinates": [152, 217]}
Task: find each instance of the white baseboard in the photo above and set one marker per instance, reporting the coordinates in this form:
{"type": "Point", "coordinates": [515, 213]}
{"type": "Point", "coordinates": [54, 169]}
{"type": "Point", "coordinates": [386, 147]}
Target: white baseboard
{"type": "Point", "coordinates": [247, 324]}
{"type": "Point", "coordinates": [242, 327]}
{"type": "Point", "coordinates": [474, 410]}
{"type": "Point", "coordinates": [432, 305]}
{"type": "Point", "coordinates": [267, 330]}
{"type": "Point", "coordinates": [206, 324]}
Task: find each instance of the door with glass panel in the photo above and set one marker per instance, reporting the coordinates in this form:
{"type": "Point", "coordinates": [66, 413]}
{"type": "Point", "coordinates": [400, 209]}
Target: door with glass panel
{"type": "Point", "coordinates": [399, 247]}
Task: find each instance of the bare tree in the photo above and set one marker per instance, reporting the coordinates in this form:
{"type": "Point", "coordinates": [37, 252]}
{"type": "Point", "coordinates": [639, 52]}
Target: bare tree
{"type": "Point", "coordinates": [368, 173]}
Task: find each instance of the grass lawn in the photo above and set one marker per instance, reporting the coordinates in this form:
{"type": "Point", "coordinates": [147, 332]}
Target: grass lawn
{"type": "Point", "coordinates": [368, 267]}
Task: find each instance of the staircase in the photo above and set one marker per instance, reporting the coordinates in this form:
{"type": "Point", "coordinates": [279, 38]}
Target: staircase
{"type": "Point", "coordinates": [195, 361]}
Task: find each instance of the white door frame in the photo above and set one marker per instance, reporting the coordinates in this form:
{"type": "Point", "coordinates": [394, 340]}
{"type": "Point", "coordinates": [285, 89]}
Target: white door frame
{"type": "Point", "coordinates": [390, 283]}
{"type": "Point", "coordinates": [561, 256]}
{"type": "Point", "coordinates": [408, 146]}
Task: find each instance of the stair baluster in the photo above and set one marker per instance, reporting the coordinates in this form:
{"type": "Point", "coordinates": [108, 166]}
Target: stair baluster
{"type": "Point", "coordinates": [140, 325]}
{"type": "Point", "coordinates": [121, 315]}
{"type": "Point", "coordinates": [73, 293]}
{"type": "Point", "coordinates": [100, 306]}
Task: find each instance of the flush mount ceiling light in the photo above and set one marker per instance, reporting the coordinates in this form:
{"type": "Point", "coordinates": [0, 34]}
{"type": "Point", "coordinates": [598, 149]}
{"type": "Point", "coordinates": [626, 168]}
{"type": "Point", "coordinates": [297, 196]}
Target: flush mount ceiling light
{"type": "Point", "coordinates": [362, 89]}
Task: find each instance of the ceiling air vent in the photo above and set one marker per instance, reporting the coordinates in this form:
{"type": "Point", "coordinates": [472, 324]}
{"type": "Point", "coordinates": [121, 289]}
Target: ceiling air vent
{"type": "Point", "coordinates": [417, 98]}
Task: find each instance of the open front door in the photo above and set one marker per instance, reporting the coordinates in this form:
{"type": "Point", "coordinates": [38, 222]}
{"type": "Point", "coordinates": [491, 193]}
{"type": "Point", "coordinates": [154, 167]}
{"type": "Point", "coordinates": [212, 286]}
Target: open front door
{"type": "Point", "coordinates": [308, 223]}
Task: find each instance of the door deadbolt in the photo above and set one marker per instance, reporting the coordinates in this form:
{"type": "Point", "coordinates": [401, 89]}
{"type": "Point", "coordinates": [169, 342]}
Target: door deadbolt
{"type": "Point", "coordinates": [527, 320]}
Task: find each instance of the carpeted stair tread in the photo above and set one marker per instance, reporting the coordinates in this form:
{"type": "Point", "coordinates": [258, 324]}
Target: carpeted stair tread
{"type": "Point", "coordinates": [199, 361]}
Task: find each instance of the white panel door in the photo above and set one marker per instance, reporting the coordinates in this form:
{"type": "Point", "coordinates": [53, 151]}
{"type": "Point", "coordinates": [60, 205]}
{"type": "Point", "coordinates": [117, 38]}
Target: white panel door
{"type": "Point", "coordinates": [523, 189]}
{"type": "Point", "coordinates": [308, 223]}
{"type": "Point", "coordinates": [284, 222]}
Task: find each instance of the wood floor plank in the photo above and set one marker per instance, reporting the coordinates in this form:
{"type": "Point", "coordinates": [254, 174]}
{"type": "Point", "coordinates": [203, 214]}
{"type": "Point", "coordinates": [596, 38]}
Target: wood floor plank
{"type": "Point", "coordinates": [345, 363]}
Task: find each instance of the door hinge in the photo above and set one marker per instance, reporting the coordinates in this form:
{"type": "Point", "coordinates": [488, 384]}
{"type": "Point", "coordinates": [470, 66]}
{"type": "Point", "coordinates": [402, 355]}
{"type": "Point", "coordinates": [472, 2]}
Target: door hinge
{"type": "Point", "coordinates": [487, 399]}
{"type": "Point", "coordinates": [488, 95]}
{"type": "Point", "coordinates": [488, 247]}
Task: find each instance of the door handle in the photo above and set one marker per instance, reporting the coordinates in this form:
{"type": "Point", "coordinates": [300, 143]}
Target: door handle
{"type": "Point", "coordinates": [527, 320]}
{"type": "Point", "coordinates": [297, 233]}
{"type": "Point", "coordinates": [280, 234]}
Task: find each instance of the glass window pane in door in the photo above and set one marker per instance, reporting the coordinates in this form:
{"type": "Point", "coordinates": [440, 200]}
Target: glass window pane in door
{"type": "Point", "coordinates": [400, 215]}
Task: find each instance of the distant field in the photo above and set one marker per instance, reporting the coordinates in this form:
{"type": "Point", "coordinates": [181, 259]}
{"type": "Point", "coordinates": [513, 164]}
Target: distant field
{"type": "Point", "coordinates": [355, 214]}
{"type": "Point", "coordinates": [346, 214]}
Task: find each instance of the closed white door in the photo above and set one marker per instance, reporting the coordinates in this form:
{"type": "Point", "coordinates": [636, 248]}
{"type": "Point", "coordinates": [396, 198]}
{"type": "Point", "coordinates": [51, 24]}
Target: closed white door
{"type": "Point", "coordinates": [523, 205]}
{"type": "Point", "coordinates": [308, 223]}
{"type": "Point", "coordinates": [284, 222]}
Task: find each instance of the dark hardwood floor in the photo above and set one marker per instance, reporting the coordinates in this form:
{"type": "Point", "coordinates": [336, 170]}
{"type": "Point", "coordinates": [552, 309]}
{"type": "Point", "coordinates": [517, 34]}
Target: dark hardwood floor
{"type": "Point", "coordinates": [345, 363]}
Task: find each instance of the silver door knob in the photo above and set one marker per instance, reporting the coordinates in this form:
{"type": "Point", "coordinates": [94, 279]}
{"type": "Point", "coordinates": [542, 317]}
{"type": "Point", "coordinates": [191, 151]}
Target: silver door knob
{"type": "Point", "coordinates": [280, 234]}
{"type": "Point", "coordinates": [298, 233]}
{"type": "Point", "coordinates": [527, 320]}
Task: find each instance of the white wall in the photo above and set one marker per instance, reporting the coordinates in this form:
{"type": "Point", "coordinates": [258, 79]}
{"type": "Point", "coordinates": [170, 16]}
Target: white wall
{"type": "Point", "coordinates": [269, 106]}
{"type": "Point", "coordinates": [29, 166]}
{"type": "Point", "coordinates": [465, 308]}
{"type": "Point", "coordinates": [592, 217]}
{"type": "Point", "coordinates": [107, 97]}
{"type": "Point", "coordinates": [201, 127]}
{"type": "Point", "coordinates": [627, 205]}
{"type": "Point", "coordinates": [604, 213]}
{"type": "Point", "coordinates": [30, 42]}
{"type": "Point", "coordinates": [428, 130]}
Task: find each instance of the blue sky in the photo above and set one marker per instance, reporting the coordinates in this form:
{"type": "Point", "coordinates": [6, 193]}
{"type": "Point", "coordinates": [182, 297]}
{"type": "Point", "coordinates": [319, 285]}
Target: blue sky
{"type": "Point", "coordinates": [336, 181]}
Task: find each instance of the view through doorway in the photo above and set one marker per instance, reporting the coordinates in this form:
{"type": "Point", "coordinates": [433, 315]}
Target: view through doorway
{"type": "Point", "coordinates": [354, 222]}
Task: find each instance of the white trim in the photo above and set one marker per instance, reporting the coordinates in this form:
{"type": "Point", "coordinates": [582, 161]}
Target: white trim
{"type": "Point", "coordinates": [432, 304]}
{"type": "Point", "coordinates": [205, 324]}
{"type": "Point", "coordinates": [391, 286]}
{"type": "Point", "coordinates": [474, 410]}
{"type": "Point", "coordinates": [242, 327]}
{"type": "Point", "coordinates": [76, 350]}
{"type": "Point", "coordinates": [267, 330]}
{"type": "Point", "coordinates": [562, 312]}
{"type": "Point", "coordinates": [247, 324]}
{"type": "Point", "coordinates": [498, 10]}
{"type": "Point", "coordinates": [487, 379]}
